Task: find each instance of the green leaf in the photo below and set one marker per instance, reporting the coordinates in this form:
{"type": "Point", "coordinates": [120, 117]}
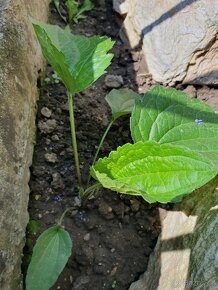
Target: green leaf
{"type": "Point", "coordinates": [86, 6]}
{"type": "Point", "coordinates": [121, 101]}
{"type": "Point", "coordinates": [170, 116]}
{"type": "Point", "coordinates": [72, 7]}
{"type": "Point", "coordinates": [57, 6]}
{"type": "Point", "coordinates": [50, 255]}
{"type": "Point", "coordinates": [163, 173]}
{"type": "Point", "coordinates": [78, 60]}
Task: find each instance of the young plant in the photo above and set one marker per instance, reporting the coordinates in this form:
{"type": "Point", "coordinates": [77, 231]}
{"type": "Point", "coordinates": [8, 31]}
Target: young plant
{"type": "Point", "coordinates": [175, 138]}
{"type": "Point", "coordinates": [175, 149]}
{"type": "Point", "coordinates": [79, 61]}
{"type": "Point", "coordinates": [75, 9]}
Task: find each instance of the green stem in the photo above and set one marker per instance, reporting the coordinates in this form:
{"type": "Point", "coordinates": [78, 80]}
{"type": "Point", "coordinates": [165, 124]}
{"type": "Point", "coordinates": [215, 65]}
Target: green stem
{"type": "Point", "coordinates": [63, 215]}
{"type": "Point", "coordinates": [88, 192]}
{"type": "Point", "coordinates": [74, 142]}
{"type": "Point", "coordinates": [99, 146]}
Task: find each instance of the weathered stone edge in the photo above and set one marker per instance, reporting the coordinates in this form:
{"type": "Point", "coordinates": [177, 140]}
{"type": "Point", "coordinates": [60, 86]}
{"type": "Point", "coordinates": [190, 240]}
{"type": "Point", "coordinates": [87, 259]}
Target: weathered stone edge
{"type": "Point", "coordinates": [20, 63]}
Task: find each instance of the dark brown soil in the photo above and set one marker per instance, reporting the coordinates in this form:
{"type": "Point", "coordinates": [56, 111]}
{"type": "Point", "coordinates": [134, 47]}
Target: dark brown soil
{"type": "Point", "coordinates": [114, 234]}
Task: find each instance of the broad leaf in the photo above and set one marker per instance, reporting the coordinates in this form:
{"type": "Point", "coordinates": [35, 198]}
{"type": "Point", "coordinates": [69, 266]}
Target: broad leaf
{"type": "Point", "coordinates": [50, 255]}
{"type": "Point", "coordinates": [121, 101]}
{"type": "Point", "coordinates": [161, 173]}
{"type": "Point", "coordinates": [170, 116]}
{"type": "Point", "coordinates": [78, 60]}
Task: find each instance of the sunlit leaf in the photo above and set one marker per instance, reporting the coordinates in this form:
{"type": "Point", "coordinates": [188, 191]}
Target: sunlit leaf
{"type": "Point", "coordinates": [78, 60]}
{"type": "Point", "coordinates": [170, 116]}
{"type": "Point", "coordinates": [163, 173]}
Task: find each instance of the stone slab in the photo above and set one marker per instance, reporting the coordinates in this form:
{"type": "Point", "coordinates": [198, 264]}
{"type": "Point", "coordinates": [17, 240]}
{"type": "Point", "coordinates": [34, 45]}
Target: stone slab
{"type": "Point", "coordinates": [185, 256]}
{"type": "Point", "coordinates": [179, 38]}
{"type": "Point", "coordinates": [20, 64]}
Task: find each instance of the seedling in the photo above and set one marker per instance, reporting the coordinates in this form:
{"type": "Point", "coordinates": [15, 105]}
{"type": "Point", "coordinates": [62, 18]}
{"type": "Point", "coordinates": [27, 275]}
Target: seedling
{"type": "Point", "coordinates": [75, 10]}
{"type": "Point", "coordinates": [175, 147]}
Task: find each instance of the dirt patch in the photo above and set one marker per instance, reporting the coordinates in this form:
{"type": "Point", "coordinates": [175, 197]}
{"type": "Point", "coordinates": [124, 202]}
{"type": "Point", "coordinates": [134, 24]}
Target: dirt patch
{"type": "Point", "coordinates": [114, 235]}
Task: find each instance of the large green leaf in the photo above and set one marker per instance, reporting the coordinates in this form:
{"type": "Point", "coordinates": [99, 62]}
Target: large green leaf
{"type": "Point", "coordinates": [161, 173]}
{"type": "Point", "coordinates": [78, 60]}
{"type": "Point", "coordinates": [121, 101]}
{"type": "Point", "coordinates": [170, 116]}
{"type": "Point", "coordinates": [50, 255]}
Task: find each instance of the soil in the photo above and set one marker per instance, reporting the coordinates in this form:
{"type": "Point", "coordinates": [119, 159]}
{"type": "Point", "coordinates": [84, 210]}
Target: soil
{"type": "Point", "coordinates": [114, 234]}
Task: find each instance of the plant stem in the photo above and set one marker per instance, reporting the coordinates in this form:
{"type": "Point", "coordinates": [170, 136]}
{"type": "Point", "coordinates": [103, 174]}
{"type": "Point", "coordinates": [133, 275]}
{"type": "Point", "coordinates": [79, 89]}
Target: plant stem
{"type": "Point", "coordinates": [88, 192]}
{"type": "Point", "coordinates": [63, 215]}
{"type": "Point", "coordinates": [74, 142]}
{"type": "Point", "coordinates": [100, 145]}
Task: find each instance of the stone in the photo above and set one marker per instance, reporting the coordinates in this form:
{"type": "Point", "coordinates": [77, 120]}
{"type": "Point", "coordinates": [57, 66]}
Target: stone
{"type": "Point", "coordinates": [179, 38]}
{"type": "Point", "coordinates": [185, 256]}
{"type": "Point", "coordinates": [120, 6]}
{"type": "Point", "coordinates": [57, 181]}
{"type": "Point", "coordinates": [208, 95]}
{"type": "Point", "coordinates": [113, 81]}
{"type": "Point", "coordinates": [46, 112]}
{"type": "Point", "coordinates": [51, 157]}
{"type": "Point", "coordinates": [20, 63]}
{"type": "Point", "coordinates": [86, 237]}
{"type": "Point", "coordinates": [191, 91]}
{"type": "Point", "coordinates": [48, 126]}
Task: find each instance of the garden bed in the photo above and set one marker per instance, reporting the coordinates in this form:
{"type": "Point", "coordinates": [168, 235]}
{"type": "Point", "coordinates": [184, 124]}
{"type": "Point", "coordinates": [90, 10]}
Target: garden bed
{"type": "Point", "coordinates": [113, 235]}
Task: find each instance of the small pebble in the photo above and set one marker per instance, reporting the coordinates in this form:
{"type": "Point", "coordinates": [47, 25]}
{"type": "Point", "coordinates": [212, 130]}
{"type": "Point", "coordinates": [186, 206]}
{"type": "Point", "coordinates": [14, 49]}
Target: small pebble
{"type": "Point", "coordinates": [113, 81]}
{"type": "Point", "coordinates": [47, 126]}
{"type": "Point", "coordinates": [51, 157]}
{"type": "Point", "coordinates": [46, 112]}
{"type": "Point", "coordinates": [55, 138]}
{"type": "Point", "coordinates": [86, 237]}
{"type": "Point", "coordinates": [37, 196]}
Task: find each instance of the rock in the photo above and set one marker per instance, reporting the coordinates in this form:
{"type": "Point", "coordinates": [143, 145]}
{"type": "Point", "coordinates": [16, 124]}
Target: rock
{"type": "Point", "coordinates": [209, 95]}
{"type": "Point", "coordinates": [57, 181]}
{"type": "Point", "coordinates": [55, 138]}
{"type": "Point", "coordinates": [191, 91]}
{"type": "Point", "coordinates": [51, 157]}
{"type": "Point", "coordinates": [39, 170]}
{"type": "Point", "coordinates": [174, 52]}
{"type": "Point", "coordinates": [80, 282]}
{"type": "Point", "coordinates": [113, 81]}
{"type": "Point", "coordinates": [20, 62]}
{"type": "Point", "coordinates": [48, 126]}
{"type": "Point", "coordinates": [86, 237]}
{"type": "Point", "coordinates": [186, 252]}
{"type": "Point", "coordinates": [104, 208]}
{"type": "Point", "coordinates": [46, 112]}
{"type": "Point", "coordinates": [120, 6]}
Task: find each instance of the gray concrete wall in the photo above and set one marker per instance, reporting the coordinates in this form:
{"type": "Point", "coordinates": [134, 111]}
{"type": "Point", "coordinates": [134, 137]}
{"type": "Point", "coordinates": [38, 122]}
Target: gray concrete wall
{"type": "Point", "coordinates": [20, 61]}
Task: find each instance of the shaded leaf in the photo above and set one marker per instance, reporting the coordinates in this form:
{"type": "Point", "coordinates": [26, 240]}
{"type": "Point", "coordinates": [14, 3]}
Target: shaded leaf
{"type": "Point", "coordinates": [170, 116]}
{"type": "Point", "coordinates": [78, 60]}
{"type": "Point", "coordinates": [72, 7]}
{"type": "Point", "coordinates": [50, 255]}
{"type": "Point", "coordinates": [161, 173]}
{"type": "Point", "coordinates": [121, 101]}
{"type": "Point", "coordinates": [57, 6]}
